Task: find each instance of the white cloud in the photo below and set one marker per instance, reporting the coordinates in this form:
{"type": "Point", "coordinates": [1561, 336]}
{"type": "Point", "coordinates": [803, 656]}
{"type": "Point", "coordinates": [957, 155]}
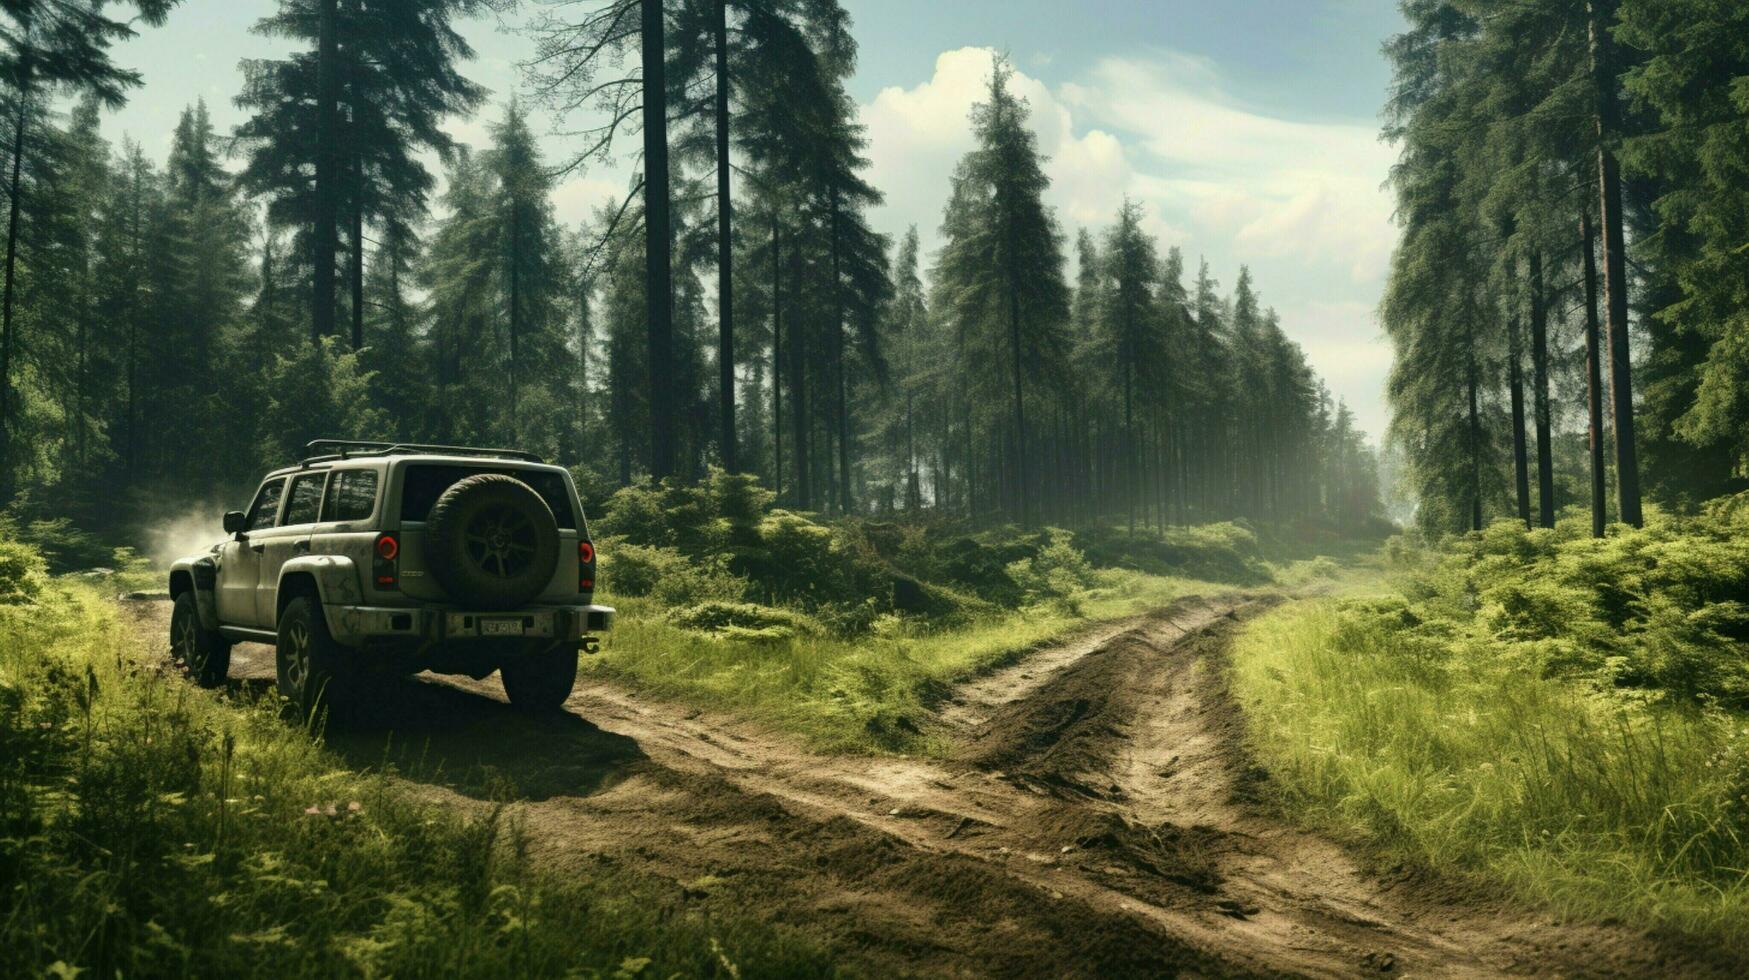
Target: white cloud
{"type": "Point", "coordinates": [576, 200]}
{"type": "Point", "coordinates": [1300, 201]}
{"type": "Point", "coordinates": [1274, 187]}
{"type": "Point", "coordinates": [918, 135]}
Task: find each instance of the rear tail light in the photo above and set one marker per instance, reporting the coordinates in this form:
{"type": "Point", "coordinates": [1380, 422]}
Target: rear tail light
{"type": "Point", "coordinates": [585, 567]}
{"type": "Point", "coordinates": [386, 568]}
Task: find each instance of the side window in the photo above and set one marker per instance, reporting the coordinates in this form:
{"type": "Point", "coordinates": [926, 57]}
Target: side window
{"type": "Point", "coordinates": [266, 506]}
{"type": "Point", "coordinates": [306, 500]}
{"type": "Point", "coordinates": [352, 496]}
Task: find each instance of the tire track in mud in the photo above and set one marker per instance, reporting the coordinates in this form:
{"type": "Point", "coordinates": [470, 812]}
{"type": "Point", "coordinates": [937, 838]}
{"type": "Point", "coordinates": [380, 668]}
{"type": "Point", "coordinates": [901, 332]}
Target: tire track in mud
{"type": "Point", "coordinates": [1098, 818]}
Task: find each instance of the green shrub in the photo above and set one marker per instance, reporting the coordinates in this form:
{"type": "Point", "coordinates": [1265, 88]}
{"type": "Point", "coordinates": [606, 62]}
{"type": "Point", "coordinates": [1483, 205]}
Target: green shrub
{"type": "Point", "coordinates": [636, 515]}
{"type": "Point", "coordinates": [1660, 608]}
{"type": "Point", "coordinates": [716, 516]}
{"type": "Point", "coordinates": [744, 621]}
{"type": "Point", "coordinates": [665, 574]}
{"type": "Point", "coordinates": [1227, 552]}
{"type": "Point", "coordinates": [801, 561]}
{"type": "Point", "coordinates": [62, 546]}
{"type": "Point", "coordinates": [981, 568]}
{"type": "Point", "coordinates": [23, 572]}
{"type": "Point", "coordinates": [1057, 572]}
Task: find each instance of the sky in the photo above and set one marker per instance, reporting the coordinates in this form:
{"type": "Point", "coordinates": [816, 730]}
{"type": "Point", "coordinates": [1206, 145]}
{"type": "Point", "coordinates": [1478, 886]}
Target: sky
{"type": "Point", "coordinates": [1246, 129]}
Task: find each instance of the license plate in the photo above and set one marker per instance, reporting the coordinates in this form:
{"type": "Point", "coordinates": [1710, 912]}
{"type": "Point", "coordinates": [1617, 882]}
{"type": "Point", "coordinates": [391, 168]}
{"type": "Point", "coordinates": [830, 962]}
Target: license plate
{"type": "Point", "coordinates": [500, 627]}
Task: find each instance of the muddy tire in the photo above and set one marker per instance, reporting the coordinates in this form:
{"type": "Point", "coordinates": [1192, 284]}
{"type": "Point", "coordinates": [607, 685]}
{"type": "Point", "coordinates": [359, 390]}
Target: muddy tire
{"type": "Point", "coordinates": [491, 542]}
{"type": "Point", "coordinates": [540, 682]}
{"type": "Point", "coordinates": [203, 653]}
{"type": "Point", "coordinates": [312, 667]}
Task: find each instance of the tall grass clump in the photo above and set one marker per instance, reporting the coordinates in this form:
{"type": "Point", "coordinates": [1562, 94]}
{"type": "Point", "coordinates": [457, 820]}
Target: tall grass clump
{"type": "Point", "coordinates": [1559, 714]}
{"type": "Point", "coordinates": [148, 828]}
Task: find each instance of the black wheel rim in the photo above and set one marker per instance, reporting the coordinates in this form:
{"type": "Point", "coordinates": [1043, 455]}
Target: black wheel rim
{"type": "Point", "coordinates": [500, 541]}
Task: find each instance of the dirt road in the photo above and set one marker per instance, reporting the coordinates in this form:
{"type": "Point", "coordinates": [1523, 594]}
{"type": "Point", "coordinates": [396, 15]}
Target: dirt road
{"type": "Point", "coordinates": [1098, 818]}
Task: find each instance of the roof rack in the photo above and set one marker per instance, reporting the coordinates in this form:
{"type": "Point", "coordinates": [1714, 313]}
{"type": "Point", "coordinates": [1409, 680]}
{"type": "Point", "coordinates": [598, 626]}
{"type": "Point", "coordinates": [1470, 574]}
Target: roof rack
{"type": "Point", "coordinates": [322, 450]}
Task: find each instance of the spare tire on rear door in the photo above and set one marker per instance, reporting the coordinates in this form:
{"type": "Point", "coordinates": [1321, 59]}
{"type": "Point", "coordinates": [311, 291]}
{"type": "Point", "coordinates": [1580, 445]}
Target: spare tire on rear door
{"type": "Point", "coordinates": [491, 541]}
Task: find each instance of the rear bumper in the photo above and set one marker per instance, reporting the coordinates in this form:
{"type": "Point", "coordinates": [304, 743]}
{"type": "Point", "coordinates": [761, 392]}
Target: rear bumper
{"type": "Point", "coordinates": [355, 624]}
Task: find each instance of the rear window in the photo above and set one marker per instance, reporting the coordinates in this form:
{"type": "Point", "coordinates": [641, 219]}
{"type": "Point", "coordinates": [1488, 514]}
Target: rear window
{"type": "Point", "coordinates": [352, 496]}
{"type": "Point", "coordinates": [425, 482]}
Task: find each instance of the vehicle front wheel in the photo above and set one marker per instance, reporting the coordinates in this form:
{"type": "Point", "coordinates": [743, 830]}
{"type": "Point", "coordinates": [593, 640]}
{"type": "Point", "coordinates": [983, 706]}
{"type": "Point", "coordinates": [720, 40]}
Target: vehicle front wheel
{"type": "Point", "coordinates": [203, 653]}
{"type": "Point", "coordinates": [311, 665]}
{"type": "Point", "coordinates": [540, 682]}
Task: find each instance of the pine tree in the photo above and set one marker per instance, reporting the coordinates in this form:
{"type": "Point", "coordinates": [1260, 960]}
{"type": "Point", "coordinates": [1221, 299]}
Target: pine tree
{"type": "Point", "coordinates": [374, 101]}
{"type": "Point", "coordinates": [658, 241]}
{"type": "Point", "coordinates": [1693, 55]}
{"type": "Point", "coordinates": [1002, 266]}
{"type": "Point", "coordinates": [202, 295]}
{"type": "Point", "coordinates": [1131, 324]}
{"type": "Point", "coordinates": [531, 278]}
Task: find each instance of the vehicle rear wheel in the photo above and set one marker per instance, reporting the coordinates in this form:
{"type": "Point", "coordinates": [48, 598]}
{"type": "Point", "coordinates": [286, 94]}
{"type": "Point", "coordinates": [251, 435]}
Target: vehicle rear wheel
{"type": "Point", "coordinates": [311, 664]}
{"type": "Point", "coordinates": [204, 653]}
{"type": "Point", "coordinates": [541, 681]}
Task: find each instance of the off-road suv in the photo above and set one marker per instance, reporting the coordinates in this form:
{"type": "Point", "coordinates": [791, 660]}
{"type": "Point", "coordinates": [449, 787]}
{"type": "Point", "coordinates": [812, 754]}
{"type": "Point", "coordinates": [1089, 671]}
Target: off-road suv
{"type": "Point", "coordinates": [375, 558]}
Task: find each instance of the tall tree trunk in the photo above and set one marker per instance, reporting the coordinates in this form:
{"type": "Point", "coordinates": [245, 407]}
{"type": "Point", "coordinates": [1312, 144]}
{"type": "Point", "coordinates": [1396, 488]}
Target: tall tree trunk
{"type": "Point", "coordinates": [1019, 409]}
{"type": "Point", "coordinates": [1475, 445]}
{"type": "Point", "coordinates": [1539, 366]}
{"type": "Point", "coordinates": [1593, 378]}
{"type": "Point", "coordinates": [355, 160]}
{"type": "Point", "coordinates": [131, 456]}
{"type": "Point", "coordinates": [1520, 455]}
{"type": "Point", "coordinates": [81, 382]}
{"type": "Point", "coordinates": [798, 396]}
{"type": "Point", "coordinates": [515, 318]}
{"type": "Point", "coordinates": [327, 203]}
{"type": "Point", "coordinates": [913, 484]}
{"type": "Point", "coordinates": [834, 499]}
{"type": "Point", "coordinates": [9, 471]}
{"type": "Point", "coordinates": [658, 241]}
{"type": "Point", "coordinates": [777, 353]}
{"type": "Point", "coordinates": [585, 327]}
{"type": "Point", "coordinates": [844, 501]}
{"type": "Point", "coordinates": [1615, 285]}
{"type": "Point", "coordinates": [1129, 441]}
{"type": "Point", "coordinates": [725, 259]}
{"type": "Point", "coordinates": [357, 259]}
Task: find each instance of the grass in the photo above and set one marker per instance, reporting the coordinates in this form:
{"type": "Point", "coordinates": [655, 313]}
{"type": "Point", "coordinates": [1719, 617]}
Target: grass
{"type": "Point", "coordinates": [868, 693]}
{"type": "Point", "coordinates": [148, 828]}
{"type": "Point", "coordinates": [1598, 802]}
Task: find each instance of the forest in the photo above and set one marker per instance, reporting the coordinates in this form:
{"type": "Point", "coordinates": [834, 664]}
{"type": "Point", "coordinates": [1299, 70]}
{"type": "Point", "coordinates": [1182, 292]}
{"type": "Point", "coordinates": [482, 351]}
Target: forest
{"type": "Point", "coordinates": [180, 326]}
{"type": "Point", "coordinates": [1567, 302]}
{"type": "Point", "coordinates": [1005, 597]}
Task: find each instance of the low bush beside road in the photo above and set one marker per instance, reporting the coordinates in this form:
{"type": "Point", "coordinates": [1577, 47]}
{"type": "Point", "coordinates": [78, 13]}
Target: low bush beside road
{"type": "Point", "coordinates": [1561, 714]}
